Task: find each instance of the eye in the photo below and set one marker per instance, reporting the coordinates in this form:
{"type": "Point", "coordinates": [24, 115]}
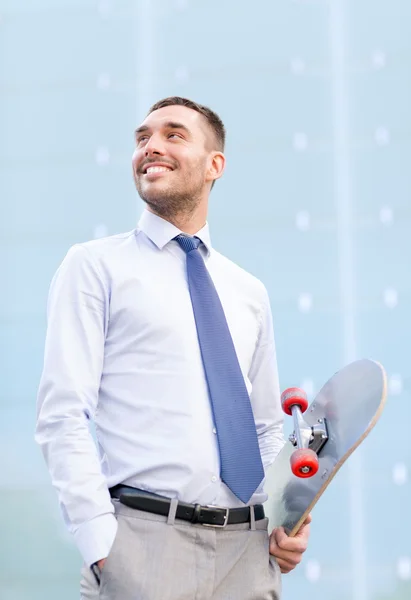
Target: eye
{"type": "Point", "coordinates": [170, 135]}
{"type": "Point", "coordinates": [142, 139]}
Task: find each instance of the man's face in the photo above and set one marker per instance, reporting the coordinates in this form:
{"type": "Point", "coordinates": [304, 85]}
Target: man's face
{"type": "Point", "coordinates": [172, 159]}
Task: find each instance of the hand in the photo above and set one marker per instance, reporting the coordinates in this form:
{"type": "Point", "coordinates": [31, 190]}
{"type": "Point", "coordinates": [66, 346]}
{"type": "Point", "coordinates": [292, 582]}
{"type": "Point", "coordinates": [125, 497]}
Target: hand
{"type": "Point", "coordinates": [289, 551]}
{"type": "Point", "coordinates": [100, 563]}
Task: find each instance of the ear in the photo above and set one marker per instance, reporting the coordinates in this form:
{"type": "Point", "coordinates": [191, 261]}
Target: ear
{"type": "Point", "coordinates": [216, 166]}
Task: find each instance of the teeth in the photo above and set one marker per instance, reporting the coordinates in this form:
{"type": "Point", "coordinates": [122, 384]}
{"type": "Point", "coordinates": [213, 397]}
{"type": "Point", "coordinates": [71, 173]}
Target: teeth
{"type": "Point", "coordinates": [157, 169]}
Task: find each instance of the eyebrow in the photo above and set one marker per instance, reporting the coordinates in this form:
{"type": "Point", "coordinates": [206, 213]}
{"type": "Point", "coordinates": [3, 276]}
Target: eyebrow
{"type": "Point", "coordinates": [168, 125]}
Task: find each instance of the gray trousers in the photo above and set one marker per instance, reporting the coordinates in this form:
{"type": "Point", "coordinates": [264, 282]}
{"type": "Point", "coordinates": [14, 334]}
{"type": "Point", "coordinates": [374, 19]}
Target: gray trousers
{"type": "Point", "coordinates": [159, 558]}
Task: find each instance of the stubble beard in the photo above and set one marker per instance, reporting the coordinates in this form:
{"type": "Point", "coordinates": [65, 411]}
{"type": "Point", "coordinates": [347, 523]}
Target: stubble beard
{"type": "Point", "coordinates": [171, 203]}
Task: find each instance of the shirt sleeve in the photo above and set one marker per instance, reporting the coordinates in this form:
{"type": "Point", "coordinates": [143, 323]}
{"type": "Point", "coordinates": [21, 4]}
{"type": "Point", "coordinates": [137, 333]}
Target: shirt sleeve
{"type": "Point", "coordinates": [67, 400]}
{"type": "Point", "coordinates": [265, 393]}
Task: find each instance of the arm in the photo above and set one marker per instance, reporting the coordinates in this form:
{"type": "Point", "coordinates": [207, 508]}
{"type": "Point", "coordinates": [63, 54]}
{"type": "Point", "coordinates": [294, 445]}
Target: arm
{"type": "Point", "coordinates": [67, 400]}
{"type": "Point", "coordinates": [265, 394]}
{"type": "Point", "coordinates": [269, 420]}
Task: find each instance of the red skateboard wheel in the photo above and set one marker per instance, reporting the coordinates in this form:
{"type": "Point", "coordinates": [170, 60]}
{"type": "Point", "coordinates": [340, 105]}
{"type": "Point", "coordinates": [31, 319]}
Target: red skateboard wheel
{"type": "Point", "coordinates": [304, 462]}
{"type": "Point", "coordinates": [293, 397]}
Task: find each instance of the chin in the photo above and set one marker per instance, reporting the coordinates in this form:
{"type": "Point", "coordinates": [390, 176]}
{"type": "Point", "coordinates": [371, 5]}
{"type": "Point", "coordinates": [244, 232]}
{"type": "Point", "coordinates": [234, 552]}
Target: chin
{"type": "Point", "coordinates": [157, 198]}
{"type": "Point", "coordinates": [151, 188]}
{"type": "Point", "coordinates": [156, 193]}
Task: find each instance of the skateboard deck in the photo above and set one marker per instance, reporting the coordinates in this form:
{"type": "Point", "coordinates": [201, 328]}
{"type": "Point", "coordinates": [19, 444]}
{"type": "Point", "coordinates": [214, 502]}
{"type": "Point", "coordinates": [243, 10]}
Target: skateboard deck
{"type": "Point", "coordinates": [350, 404]}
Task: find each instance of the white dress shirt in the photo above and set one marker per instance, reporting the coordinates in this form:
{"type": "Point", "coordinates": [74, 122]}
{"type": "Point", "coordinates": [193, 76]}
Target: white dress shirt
{"type": "Point", "coordinates": [122, 351]}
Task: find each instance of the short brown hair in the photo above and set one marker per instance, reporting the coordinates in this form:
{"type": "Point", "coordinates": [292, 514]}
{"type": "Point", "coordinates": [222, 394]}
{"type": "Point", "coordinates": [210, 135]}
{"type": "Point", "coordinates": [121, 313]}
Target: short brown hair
{"type": "Point", "coordinates": [212, 118]}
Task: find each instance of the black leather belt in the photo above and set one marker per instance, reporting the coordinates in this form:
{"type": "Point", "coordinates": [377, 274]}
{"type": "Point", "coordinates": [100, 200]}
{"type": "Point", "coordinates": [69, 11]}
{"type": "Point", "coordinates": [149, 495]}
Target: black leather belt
{"type": "Point", "coordinates": [212, 516]}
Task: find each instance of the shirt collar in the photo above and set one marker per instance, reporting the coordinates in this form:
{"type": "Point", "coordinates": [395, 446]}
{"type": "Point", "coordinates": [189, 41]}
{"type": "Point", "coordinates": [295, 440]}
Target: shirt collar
{"type": "Point", "coordinates": [161, 232]}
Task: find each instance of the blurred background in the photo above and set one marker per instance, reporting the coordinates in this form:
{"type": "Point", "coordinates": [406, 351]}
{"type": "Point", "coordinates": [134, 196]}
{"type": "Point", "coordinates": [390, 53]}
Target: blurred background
{"type": "Point", "coordinates": [316, 201]}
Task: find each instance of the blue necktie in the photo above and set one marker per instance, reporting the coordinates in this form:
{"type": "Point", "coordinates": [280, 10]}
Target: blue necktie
{"type": "Point", "coordinates": [241, 466]}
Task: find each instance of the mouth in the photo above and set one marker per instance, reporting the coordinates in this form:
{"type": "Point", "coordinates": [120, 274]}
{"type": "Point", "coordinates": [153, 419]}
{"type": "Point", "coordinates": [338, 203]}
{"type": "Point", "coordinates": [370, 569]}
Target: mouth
{"type": "Point", "coordinates": [156, 170]}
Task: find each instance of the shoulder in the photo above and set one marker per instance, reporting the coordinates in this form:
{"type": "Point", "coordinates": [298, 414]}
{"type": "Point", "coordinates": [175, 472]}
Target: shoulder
{"type": "Point", "coordinates": [100, 249]}
{"type": "Point", "coordinates": [104, 246]}
{"type": "Point", "coordinates": [239, 277]}
{"type": "Point", "coordinates": [95, 258]}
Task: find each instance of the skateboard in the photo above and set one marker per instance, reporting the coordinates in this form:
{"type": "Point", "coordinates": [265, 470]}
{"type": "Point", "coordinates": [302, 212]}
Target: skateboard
{"type": "Point", "coordinates": [325, 434]}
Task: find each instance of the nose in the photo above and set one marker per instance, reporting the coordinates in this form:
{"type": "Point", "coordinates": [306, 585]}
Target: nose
{"type": "Point", "coordinates": [154, 146]}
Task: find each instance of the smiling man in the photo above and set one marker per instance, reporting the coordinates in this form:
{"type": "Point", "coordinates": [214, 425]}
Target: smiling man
{"type": "Point", "coordinates": [168, 347]}
{"type": "Point", "coordinates": [175, 183]}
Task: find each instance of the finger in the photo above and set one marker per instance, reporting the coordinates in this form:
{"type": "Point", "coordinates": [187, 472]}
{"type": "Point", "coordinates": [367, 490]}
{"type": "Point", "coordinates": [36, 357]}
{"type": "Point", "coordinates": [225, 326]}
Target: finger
{"type": "Point", "coordinates": [303, 534]}
{"type": "Point", "coordinates": [290, 544]}
{"type": "Point", "coordinates": [280, 535]}
{"type": "Point", "coordinates": [304, 526]}
{"type": "Point", "coordinates": [285, 567]}
{"type": "Point", "coordinates": [308, 520]}
{"type": "Point", "coordinates": [281, 538]}
{"type": "Point", "coordinates": [293, 558]}
{"type": "Point", "coordinates": [276, 536]}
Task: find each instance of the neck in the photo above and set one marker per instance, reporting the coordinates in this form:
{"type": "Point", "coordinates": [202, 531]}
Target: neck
{"type": "Point", "coordinates": [187, 223]}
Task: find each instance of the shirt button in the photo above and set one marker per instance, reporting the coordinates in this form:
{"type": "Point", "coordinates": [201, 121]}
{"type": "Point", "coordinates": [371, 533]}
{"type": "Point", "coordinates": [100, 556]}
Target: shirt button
{"type": "Point", "coordinates": [214, 430]}
{"type": "Point", "coordinates": [214, 479]}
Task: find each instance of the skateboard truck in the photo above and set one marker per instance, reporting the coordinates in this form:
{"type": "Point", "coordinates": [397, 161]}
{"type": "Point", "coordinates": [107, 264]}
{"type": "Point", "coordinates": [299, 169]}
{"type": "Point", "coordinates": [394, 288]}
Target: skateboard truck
{"type": "Point", "coordinates": [308, 439]}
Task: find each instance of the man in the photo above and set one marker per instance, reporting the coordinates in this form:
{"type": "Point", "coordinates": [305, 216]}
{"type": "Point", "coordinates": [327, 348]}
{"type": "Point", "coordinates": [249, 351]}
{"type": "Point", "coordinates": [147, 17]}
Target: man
{"type": "Point", "coordinates": [168, 347]}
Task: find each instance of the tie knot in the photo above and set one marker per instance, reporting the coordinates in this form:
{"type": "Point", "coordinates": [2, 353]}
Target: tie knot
{"type": "Point", "coordinates": [188, 243]}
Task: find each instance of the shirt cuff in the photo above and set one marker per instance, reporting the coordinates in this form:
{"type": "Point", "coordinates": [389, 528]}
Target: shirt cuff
{"type": "Point", "coordinates": [95, 538]}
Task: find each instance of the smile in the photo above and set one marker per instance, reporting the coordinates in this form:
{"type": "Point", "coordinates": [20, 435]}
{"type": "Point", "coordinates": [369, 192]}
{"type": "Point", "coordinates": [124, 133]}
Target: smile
{"type": "Point", "coordinates": [151, 170]}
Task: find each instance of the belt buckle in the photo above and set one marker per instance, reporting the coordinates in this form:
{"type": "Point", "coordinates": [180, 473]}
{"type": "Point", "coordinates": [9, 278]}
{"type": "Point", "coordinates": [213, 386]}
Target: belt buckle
{"type": "Point", "coordinates": [227, 512]}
